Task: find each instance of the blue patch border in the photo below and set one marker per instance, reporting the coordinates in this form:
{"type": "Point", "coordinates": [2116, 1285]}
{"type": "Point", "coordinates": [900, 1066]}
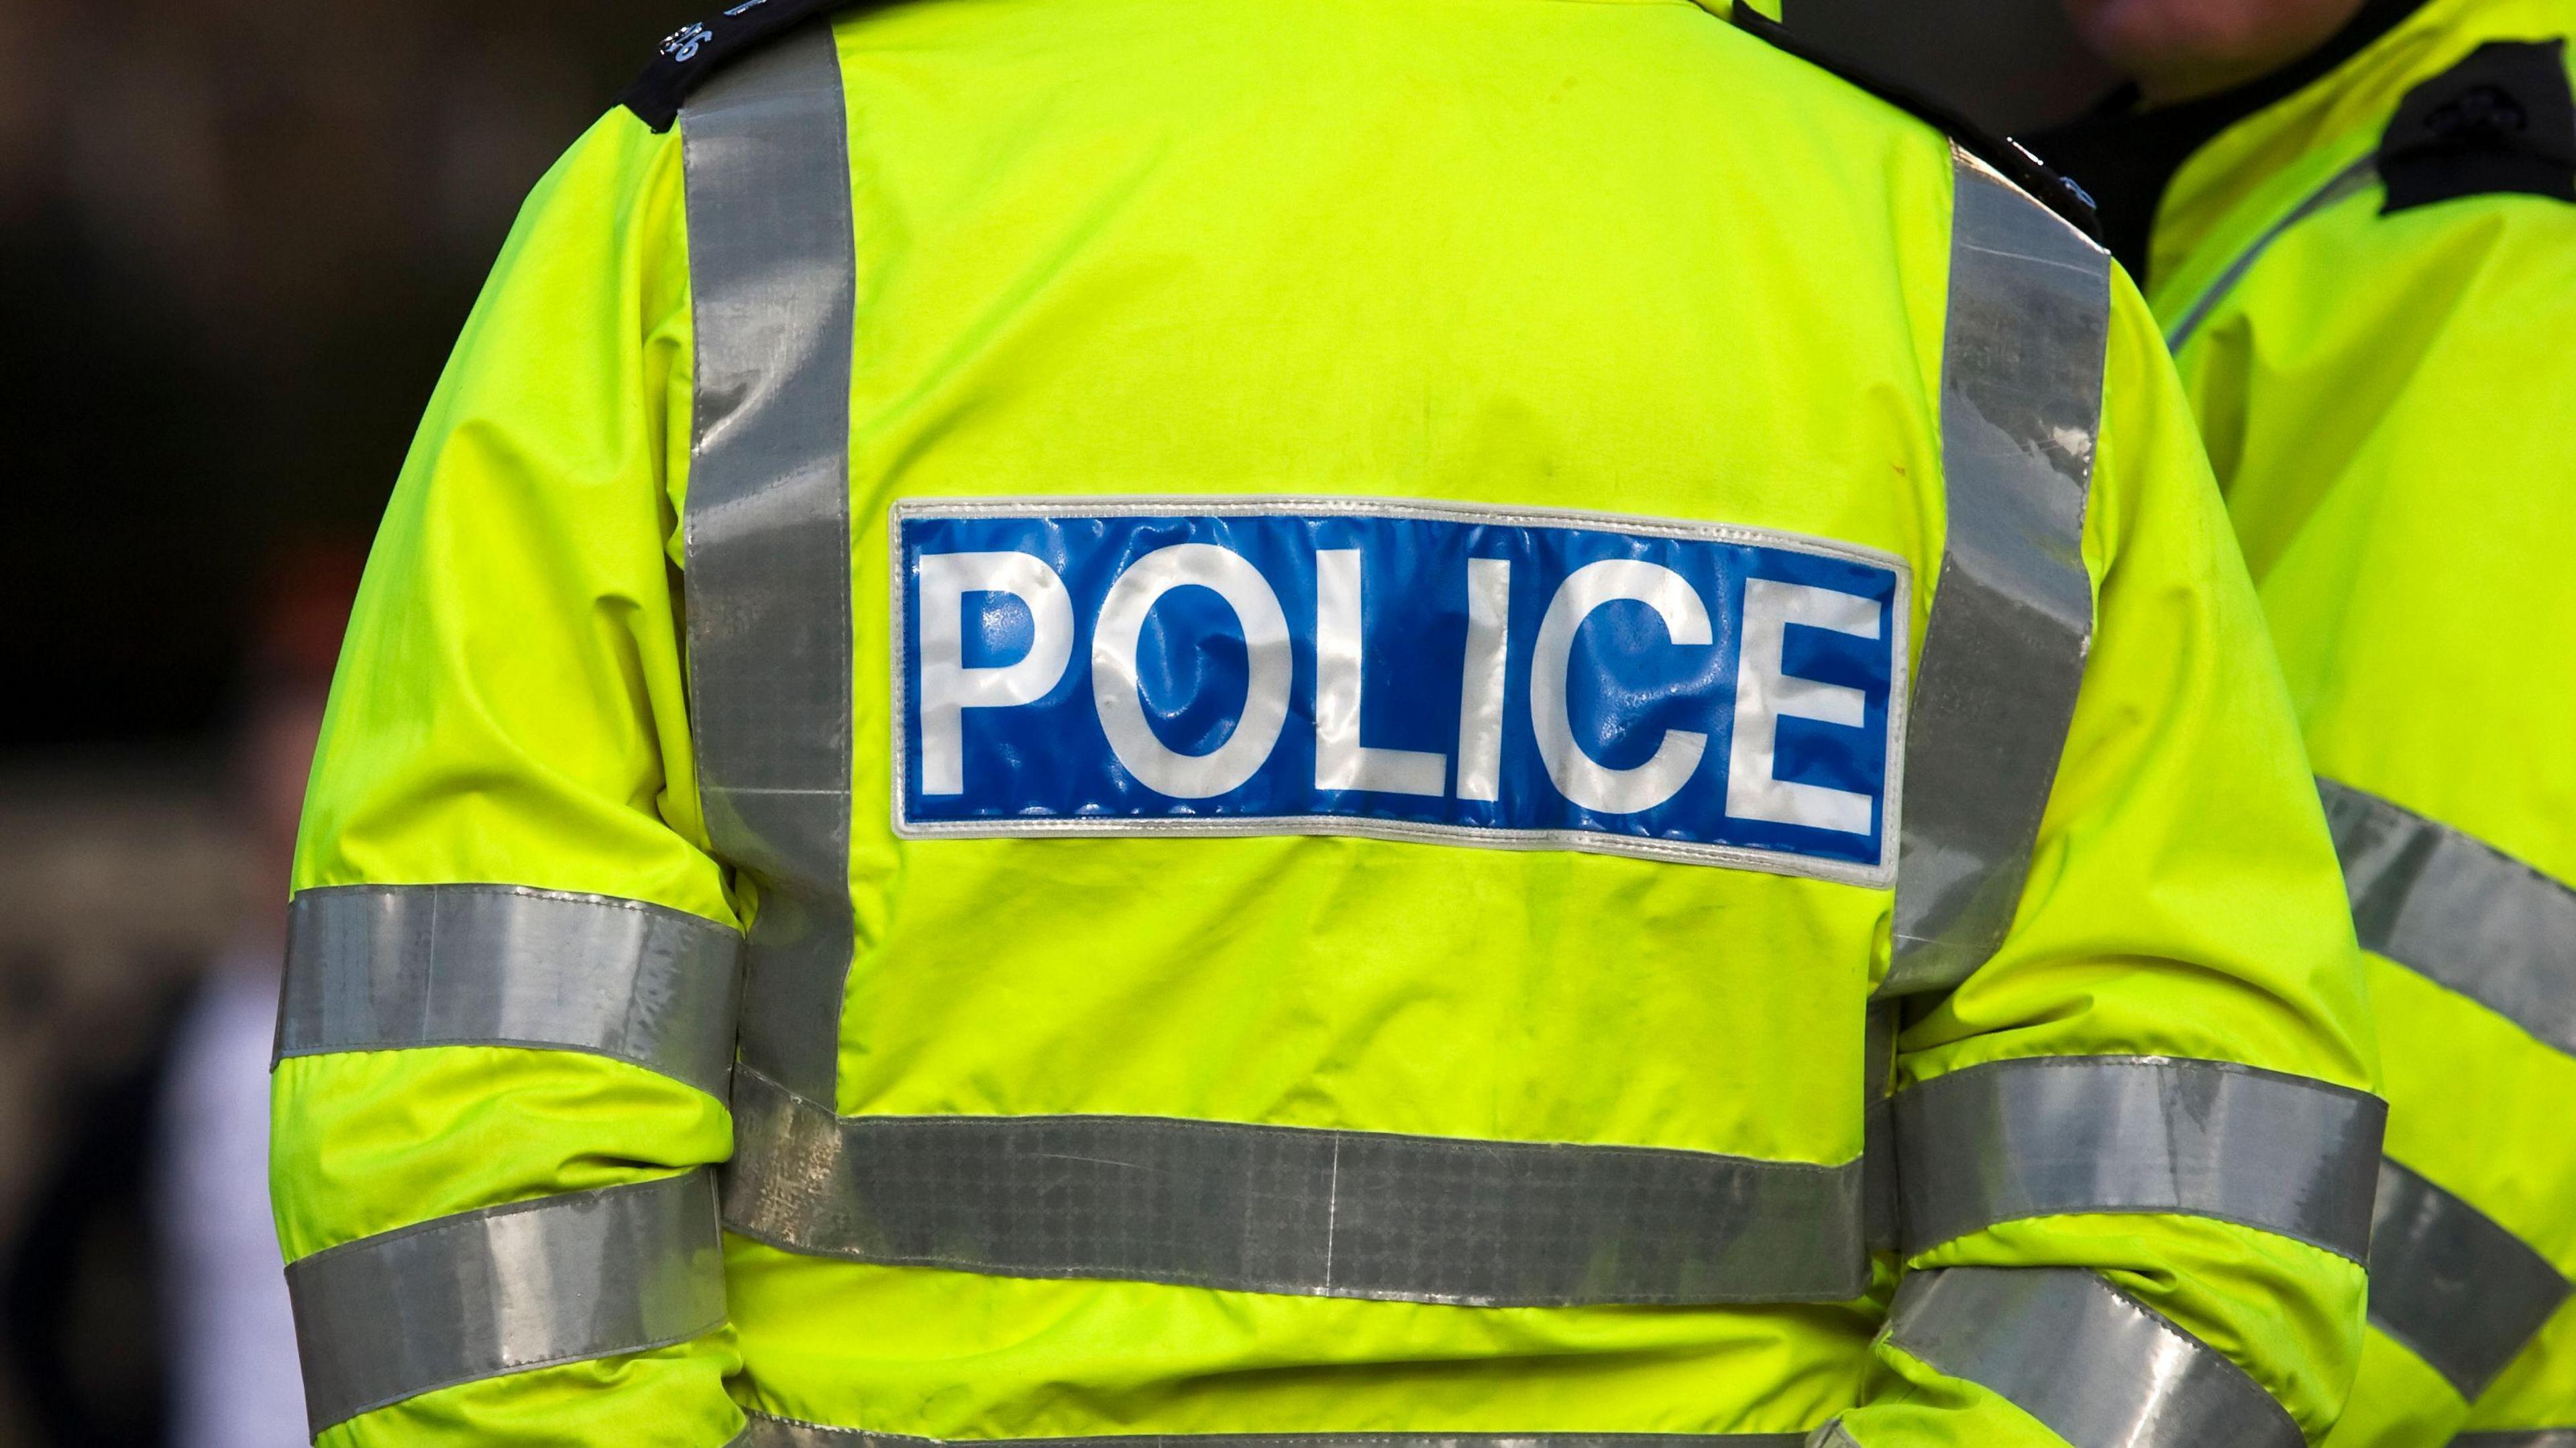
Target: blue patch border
{"type": "Point", "coordinates": [1881, 875]}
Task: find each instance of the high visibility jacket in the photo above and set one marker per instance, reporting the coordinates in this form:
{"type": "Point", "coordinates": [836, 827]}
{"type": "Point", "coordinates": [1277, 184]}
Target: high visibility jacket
{"type": "Point", "coordinates": [1292, 674]}
{"type": "Point", "coordinates": [2369, 269]}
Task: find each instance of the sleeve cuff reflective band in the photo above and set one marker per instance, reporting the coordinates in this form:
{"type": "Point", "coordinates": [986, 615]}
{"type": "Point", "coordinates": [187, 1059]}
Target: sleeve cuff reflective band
{"type": "Point", "coordinates": [2459, 912]}
{"type": "Point", "coordinates": [2012, 613]}
{"type": "Point", "coordinates": [375, 968]}
{"type": "Point", "coordinates": [2451, 1285]}
{"type": "Point", "coordinates": [2092, 1364]}
{"type": "Point", "coordinates": [2518, 1438]}
{"type": "Point", "coordinates": [473, 1296]}
{"type": "Point", "coordinates": [2053, 1135]}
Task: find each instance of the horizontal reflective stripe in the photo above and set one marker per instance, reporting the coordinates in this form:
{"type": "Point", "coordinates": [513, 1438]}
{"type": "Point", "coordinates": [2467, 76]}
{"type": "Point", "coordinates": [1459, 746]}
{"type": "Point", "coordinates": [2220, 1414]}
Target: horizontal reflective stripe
{"type": "Point", "coordinates": [768, 1432]}
{"type": "Point", "coordinates": [1834, 1435]}
{"type": "Point", "coordinates": [2459, 912]}
{"type": "Point", "coordinates": [2039, 1137]}
{"type": "Point", "coordinates": [373, 968]}
{"type": "Point", "coordinates": [1288, 1210]}
{"type": "Point", "coordinates": [504, 1290]}
{"type": "Point", "coordinates": [2451, 1285]}
{"type": "Point", "coordinates": [2093, 1364]}
{"type": "Point", "coordinates": [2531, 1438]}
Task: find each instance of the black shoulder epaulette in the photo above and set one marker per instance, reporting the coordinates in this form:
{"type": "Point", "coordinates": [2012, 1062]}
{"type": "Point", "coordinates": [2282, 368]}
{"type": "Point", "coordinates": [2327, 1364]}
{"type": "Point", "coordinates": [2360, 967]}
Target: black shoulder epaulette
{"type": "Point", "coordinates": [2018, 165]}
{"type": "Point", "coordinates": [2501, 122]}
{"type": "Point", "coordinates": [698, 50]}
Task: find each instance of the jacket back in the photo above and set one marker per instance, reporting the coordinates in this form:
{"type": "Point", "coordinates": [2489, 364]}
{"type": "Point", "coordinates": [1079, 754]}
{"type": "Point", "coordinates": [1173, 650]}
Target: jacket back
{"type": "Point", "coordinates": [1307, 641]}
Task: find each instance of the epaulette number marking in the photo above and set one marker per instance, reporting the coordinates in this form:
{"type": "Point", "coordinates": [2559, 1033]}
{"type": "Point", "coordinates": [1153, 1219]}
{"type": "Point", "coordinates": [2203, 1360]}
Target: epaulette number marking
{"type": "Point", "coordinates": [698, 49]}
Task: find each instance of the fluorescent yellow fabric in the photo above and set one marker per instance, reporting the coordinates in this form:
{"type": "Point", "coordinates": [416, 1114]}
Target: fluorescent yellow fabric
{"type": "Point", "coordinates": [2385, 401]}
{"type": "Point", "coordinates": [2128, 909]}
{"type": "Point", "coordinates": [1616, 257]}
{"type": "Point", "coordinates": [510, 709]}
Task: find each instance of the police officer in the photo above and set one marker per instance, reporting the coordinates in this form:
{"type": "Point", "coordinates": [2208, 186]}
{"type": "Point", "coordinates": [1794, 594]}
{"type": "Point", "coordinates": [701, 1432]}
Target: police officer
{"type": "Point", "coordinates": [1243, 721]}
{"type": "Point", "coordinates": [2358, 223]}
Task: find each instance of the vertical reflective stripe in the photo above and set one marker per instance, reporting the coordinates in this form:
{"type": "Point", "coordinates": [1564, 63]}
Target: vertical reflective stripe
{"type": "Point", "coordinates": [2459, 912]}
{"type": "Point", "coordinates": [772, 276]}
{"type": "Point", "coordinates": [2093, 1364]}
{"type": "Point", "coordinates": [768, 1432]}
{"type": "Point", "coordinates": [372, 968]}
{"type": "Point", "coordinates": [2062, 1134]}
{"type": "Point", "coordinates": [2012, 616]}
{"type": "Point", "coordinates": [1879, 1181]}
{"type": "Point", "coordinates": [2451, 1285]}
{"type": "Point", "coordinates": [480, 1294]}
{"type": "Point", "coordinates": [2350, 181]}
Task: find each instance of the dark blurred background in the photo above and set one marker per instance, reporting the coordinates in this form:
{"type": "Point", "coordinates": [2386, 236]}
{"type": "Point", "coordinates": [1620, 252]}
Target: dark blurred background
{"type": "Point", "coordinates": [238, 239]}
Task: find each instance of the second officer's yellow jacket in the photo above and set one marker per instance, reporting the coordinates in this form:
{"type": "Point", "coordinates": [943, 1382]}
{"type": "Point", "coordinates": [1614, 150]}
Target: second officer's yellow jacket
{"type": "Point", "coordinates": [2368, 266]}
{"type": "Point", "coordinates": [1244, 722]}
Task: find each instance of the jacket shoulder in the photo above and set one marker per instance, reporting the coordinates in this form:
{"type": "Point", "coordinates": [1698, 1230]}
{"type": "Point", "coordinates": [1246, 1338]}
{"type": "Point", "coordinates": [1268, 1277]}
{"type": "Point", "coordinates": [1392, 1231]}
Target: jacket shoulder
{"type": "Point", "coordinates": [692, 54]}
{"type": "Point", "coordinates": [2005, 155]}
{"type": "Point", "coordinates": [2501, 122]}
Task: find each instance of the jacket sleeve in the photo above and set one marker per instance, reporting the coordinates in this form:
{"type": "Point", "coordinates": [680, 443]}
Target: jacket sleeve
{"type": "Point", "coordinates": [2415, 576]}
{"type": "Point", "coordinates": [513, 965]}
{"type": "Point", "coordinates": [2136, 1144]}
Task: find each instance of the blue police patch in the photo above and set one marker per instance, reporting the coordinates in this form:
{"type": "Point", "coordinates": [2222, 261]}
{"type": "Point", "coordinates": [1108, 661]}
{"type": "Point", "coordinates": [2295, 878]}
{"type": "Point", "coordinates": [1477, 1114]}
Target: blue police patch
{"type": "Point", "coordinates": [1453, 674]}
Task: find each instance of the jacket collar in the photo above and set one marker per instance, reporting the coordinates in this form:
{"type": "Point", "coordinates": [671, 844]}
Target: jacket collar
{"type": "Point", "coordinates": [2130, 156]}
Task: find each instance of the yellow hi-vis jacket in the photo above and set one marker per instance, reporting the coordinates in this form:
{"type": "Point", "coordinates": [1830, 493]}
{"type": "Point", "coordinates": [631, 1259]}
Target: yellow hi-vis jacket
{"type": "Point", "coordinates": [2368, 267]}
{"type": "Point", "coordinates": [1244, 721]}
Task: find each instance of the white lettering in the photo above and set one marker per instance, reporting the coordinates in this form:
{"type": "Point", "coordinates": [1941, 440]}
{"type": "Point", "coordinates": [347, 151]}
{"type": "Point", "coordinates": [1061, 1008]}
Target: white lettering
{"type": "Point", "coordinates": [1341, 760]}
{"type": "Point", "coordinates": [1480, 703]}
{"type": "Point", "coordinates": [1578, 776]}
{"type": "Point", "coordinates": [948, 687]}
{"type": "Point", "coordinates": [1765, 694]}
{"type": "Point", "coordinates": [1118, 694]}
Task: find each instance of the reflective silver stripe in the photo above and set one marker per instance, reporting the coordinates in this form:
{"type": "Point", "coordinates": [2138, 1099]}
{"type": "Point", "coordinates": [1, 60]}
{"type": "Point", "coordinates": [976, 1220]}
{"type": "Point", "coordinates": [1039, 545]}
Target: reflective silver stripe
{"type": "Point", "coordinates": [1832, 1435]}
{"type": "Point", "coordinates": [2451, 1285]}
{"type": "Point", "coordinates": [2012, 616]}
{"type": "Point", "coordinates": [1882, 1207]}
{"type": "Point", "coordinates": [2032, 1138]}
{"type": "Point", "coordinates": [2350, 181]}
{"type": "Point", "coordinates": [2536, 1438]}
{"type": "Point", "coordinates": [374, 968]}
{"type": "Point", "coordinates": [771, 260]}
{"type": "Point", "coordinates": [768, 1432]}
{"type": "Point", "coordinates": [484, 1293]}
{"type": "Point", "coordinates": [1287, 1210]}
{"type": "Point", "coordinates": [2459, 912]}
{"type": "Point", "coordinates": [1878, 1129]}
{"type": "Point", "coordinates": [2093, 1364]}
